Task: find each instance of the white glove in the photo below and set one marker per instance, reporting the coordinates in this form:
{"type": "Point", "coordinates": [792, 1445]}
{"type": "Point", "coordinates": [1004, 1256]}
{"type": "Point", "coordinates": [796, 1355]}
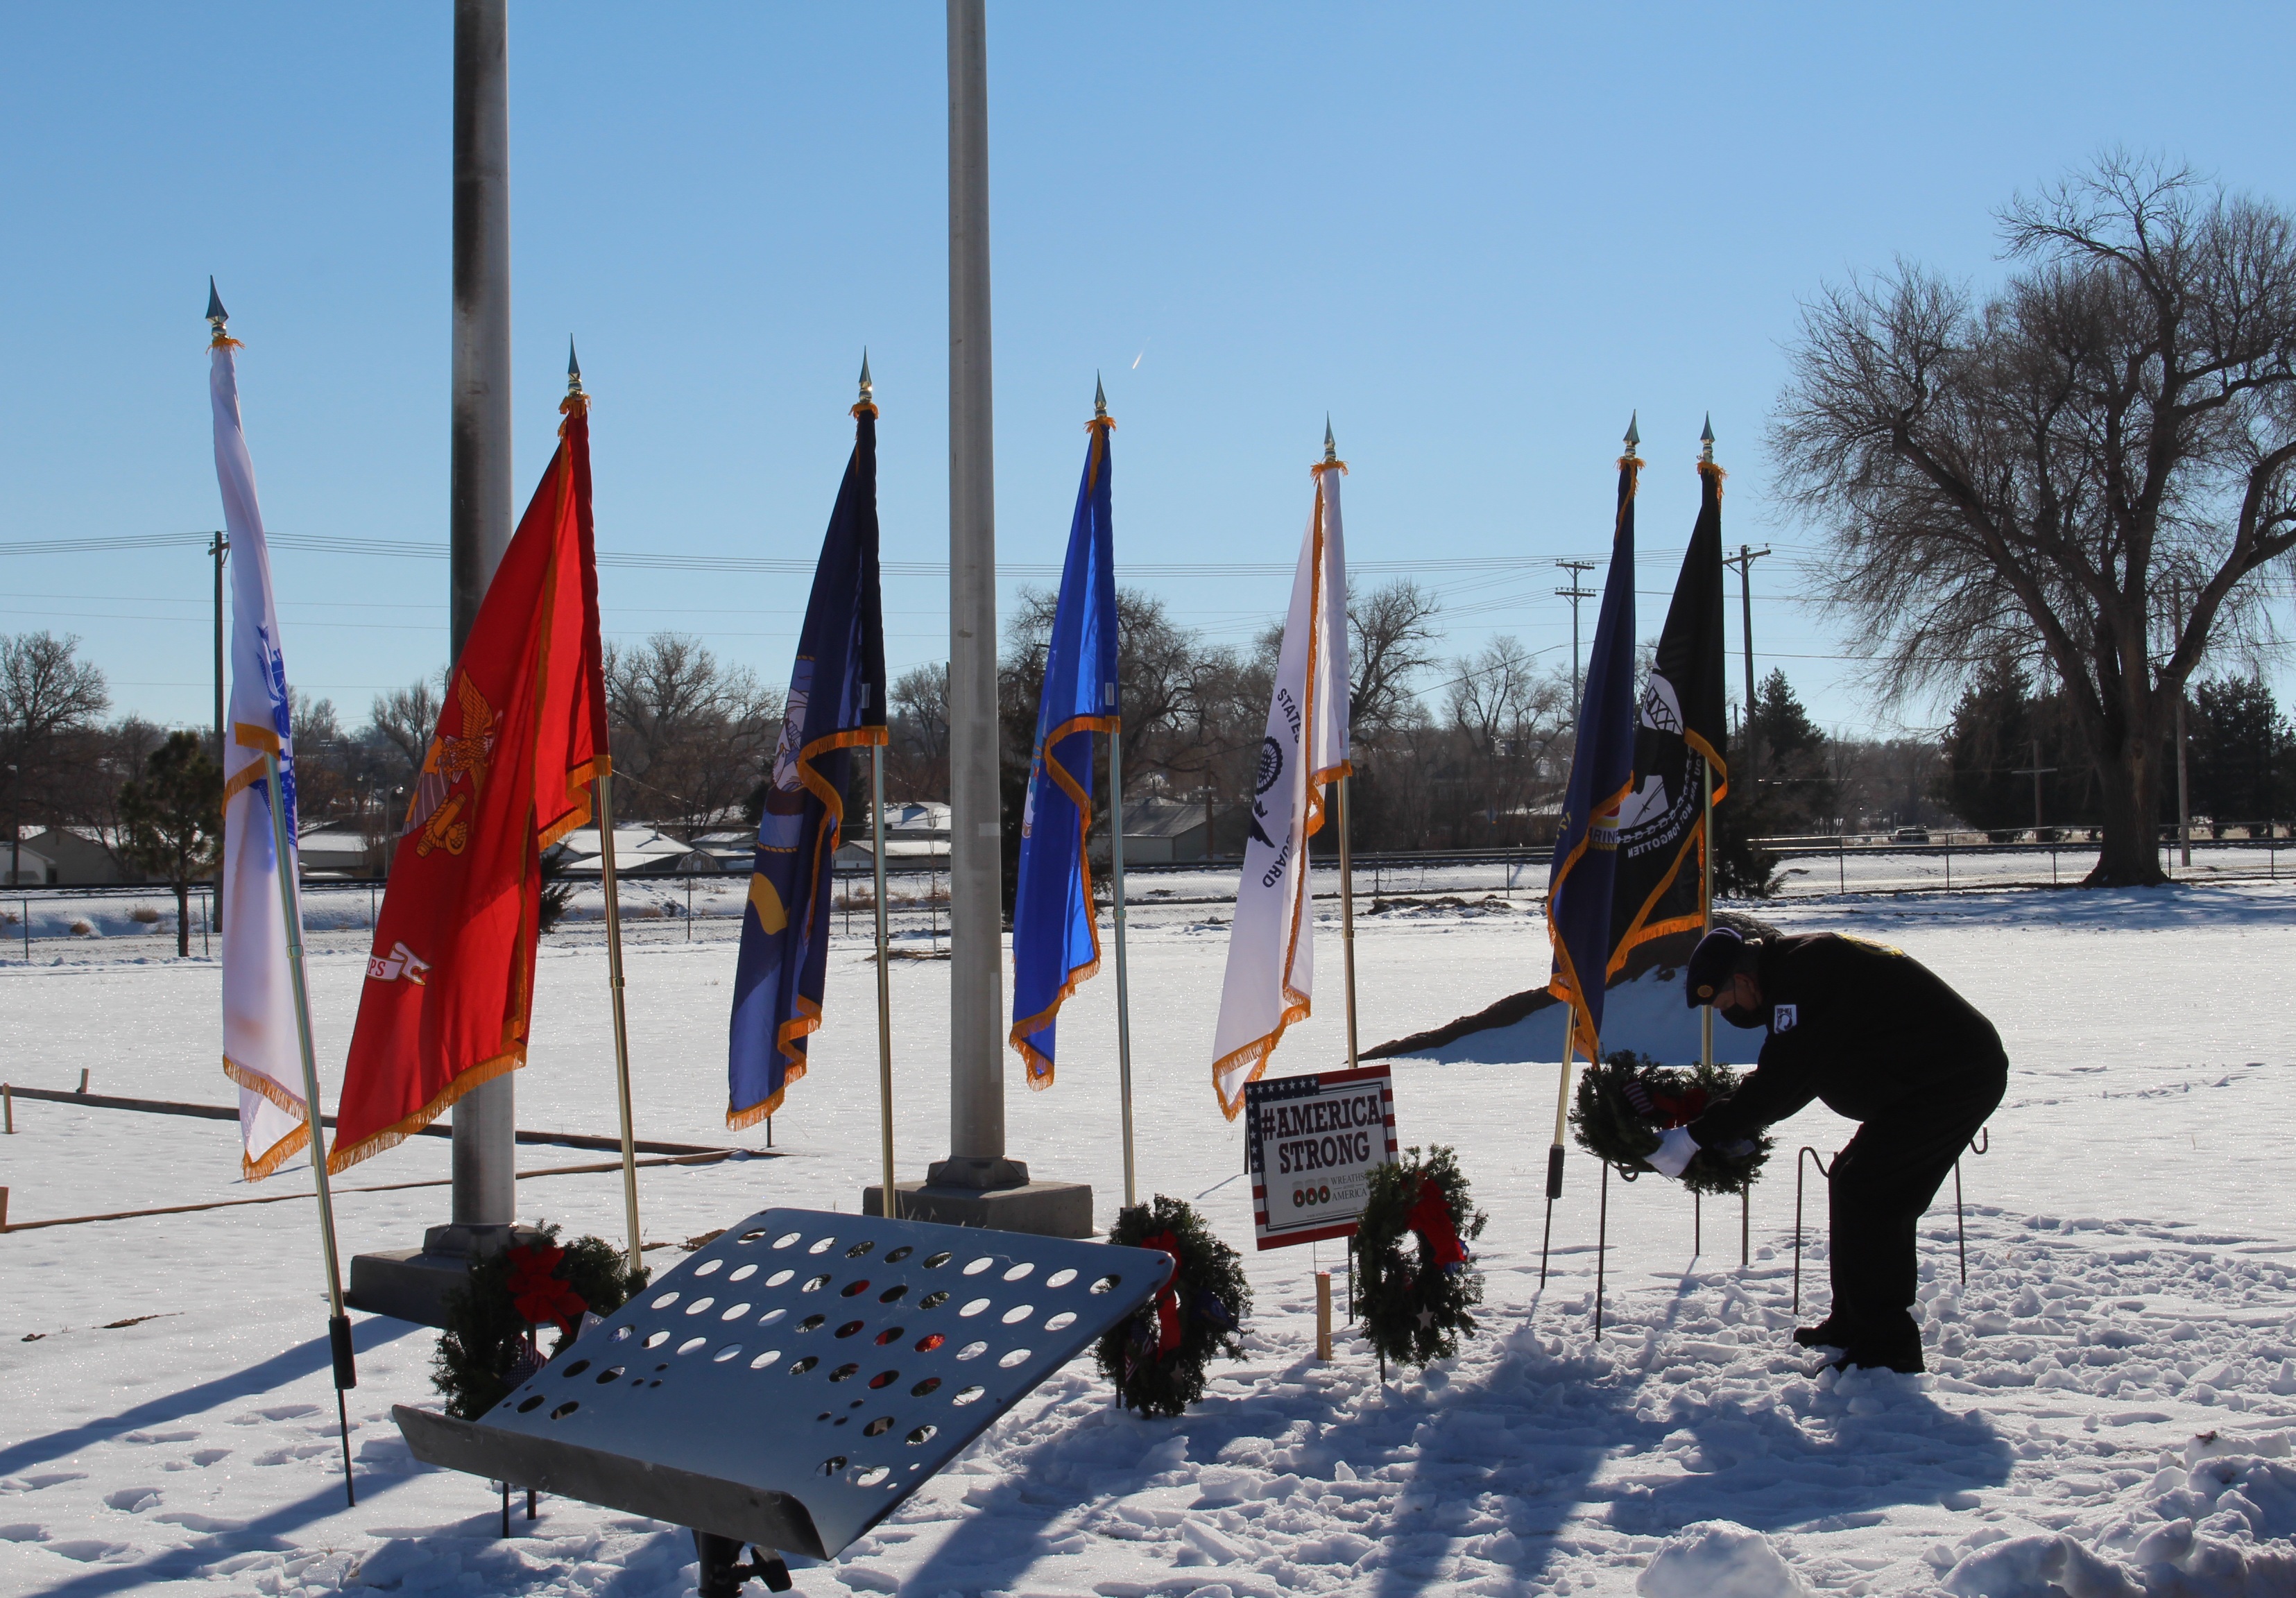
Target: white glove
{"type": "Point", "coordinates": [1673, 1155]}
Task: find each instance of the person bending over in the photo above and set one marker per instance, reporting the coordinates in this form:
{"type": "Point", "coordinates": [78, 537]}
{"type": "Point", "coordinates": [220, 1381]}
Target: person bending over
{"type": "Point", "coordinates": [1880, 1039]}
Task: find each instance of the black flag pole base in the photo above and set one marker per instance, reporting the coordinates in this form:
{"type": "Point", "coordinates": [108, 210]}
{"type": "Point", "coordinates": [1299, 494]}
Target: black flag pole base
{"type": "Point", "coordinates": [1554, 1191]}
{"type": "Point", "coordinates": [338, 1350]}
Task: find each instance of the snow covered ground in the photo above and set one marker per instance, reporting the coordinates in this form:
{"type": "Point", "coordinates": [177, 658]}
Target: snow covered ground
{"type": "Point", "coordinates": [2110, 1411]}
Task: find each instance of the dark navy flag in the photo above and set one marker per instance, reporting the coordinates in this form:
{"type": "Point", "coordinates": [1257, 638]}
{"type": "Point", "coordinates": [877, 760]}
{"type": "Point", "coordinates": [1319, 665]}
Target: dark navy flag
{"type": "Point", "coordinates": [1578, 891]}
{"type": "Point", "coordinates": [1055, 933]}
{"type": "Point", "coordinates": [1662, 825]}
{"type": "Point", "coordinates": [836, 703]}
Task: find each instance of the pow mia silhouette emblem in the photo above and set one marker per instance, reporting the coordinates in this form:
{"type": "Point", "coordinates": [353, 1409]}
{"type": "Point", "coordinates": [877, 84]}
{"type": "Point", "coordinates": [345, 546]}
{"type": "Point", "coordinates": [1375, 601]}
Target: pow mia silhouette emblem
{"type": "Point", "coordinates": [1784, 1018]}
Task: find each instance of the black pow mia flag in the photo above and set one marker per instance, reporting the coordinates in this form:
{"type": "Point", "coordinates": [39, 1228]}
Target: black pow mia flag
{"type": "Point", "coordinates": [1681, 730]}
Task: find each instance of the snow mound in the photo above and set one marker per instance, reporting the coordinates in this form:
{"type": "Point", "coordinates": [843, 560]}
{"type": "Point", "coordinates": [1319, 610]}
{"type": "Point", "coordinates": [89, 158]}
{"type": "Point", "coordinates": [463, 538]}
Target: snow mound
{"type": "Point", "coordinates": [1718, 1558]}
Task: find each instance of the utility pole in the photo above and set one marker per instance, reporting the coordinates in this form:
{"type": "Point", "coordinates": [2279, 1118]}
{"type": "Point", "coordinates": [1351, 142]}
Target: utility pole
{"type": "Point", "coordinates": [1574, 593]}
{"type": "Point", "coordinates": [1744, 562]}
{"type": "Point", "coordinates": [480, 515]}
{"type": "Point", "coordinates": [976, 1185]}
{"type": "Point", "coordinates": [2036, 771]}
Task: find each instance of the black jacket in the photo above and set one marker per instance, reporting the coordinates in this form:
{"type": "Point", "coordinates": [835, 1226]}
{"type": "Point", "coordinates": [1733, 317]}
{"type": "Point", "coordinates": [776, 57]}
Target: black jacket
{"type": "Point", "coordinates": [1860, 1024]}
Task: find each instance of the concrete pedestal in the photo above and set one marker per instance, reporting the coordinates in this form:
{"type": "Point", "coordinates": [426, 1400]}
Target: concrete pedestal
{"type": "Point", "coordinates": [1043, 1209]}
{"type": "Point", "coordinates": [413, 1283]}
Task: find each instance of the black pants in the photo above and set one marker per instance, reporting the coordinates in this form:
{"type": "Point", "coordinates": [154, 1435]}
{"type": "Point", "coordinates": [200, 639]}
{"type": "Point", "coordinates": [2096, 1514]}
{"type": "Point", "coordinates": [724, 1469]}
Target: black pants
{"type": "Point", "coordinates": [1882, 1184]}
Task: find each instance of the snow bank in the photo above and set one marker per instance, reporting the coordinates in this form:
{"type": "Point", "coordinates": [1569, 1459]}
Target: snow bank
{"type": "Point", "coordinates": [1716, 1559]}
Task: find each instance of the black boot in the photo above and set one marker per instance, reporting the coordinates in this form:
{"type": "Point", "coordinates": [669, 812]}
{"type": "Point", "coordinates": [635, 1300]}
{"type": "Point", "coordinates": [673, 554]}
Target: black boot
{"type": "Point", "coordinates": [1832, 1333]}
{"type": "Point", "coordinates": [1892, 1346]}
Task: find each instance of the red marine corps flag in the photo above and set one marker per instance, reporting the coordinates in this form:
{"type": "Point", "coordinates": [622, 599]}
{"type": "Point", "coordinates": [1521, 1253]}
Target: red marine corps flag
{"type": "Point", "coordinates": [450, 982]}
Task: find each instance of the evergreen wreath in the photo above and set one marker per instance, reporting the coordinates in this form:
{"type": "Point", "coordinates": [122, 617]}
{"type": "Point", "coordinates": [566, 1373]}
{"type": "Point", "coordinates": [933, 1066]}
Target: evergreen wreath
{"type": "Point", "coordinates": [1415, 1309]}
{"type": "Point", "coordinates": [488, 1347]}
{"type": "Point", "coordinates": [1625, 1104]}
{"type": "Point", "coordinates": [1157, 1357]}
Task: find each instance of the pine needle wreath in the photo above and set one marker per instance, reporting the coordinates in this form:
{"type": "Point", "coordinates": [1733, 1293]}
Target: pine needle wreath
{"type": "Point", "coordinates": [489, 1346]}
{"type": "Point", "coordinates": [1625, 1104]}
{"type": "Point", "coordinates": [1414, 1308]}
{"type": "Point", "coordinates": [1156, 1358]}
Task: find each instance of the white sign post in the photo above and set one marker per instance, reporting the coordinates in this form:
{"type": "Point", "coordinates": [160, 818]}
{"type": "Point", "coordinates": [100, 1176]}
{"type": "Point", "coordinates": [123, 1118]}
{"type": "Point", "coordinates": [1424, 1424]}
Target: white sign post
{"type": "Point", "coordinates": [1312, 1141]}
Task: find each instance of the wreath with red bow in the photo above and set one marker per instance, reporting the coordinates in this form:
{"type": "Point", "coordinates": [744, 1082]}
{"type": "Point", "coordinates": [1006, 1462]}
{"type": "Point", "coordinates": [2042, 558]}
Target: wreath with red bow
{"type": "Point", "coordinates": [1625, 1104]}
{"type": "Point", "coordinates": [1416, 1305]}
{"type": "Point", "coordinates": [490, 1345]}
{"type": "Point", "coordinates": [1157, 1358]}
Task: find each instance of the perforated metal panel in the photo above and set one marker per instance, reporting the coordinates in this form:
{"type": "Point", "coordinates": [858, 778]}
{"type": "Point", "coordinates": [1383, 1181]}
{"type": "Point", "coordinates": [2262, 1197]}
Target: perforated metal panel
{"type": "Point", "coordinates": [838, 1359]}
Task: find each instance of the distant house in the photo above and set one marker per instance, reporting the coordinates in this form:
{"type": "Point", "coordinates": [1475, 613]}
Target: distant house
{"type": "Point", "coordinates": [22, 865]}
{"type": "Point", "coordinates": [339, 856]}
{"type": "Point", "coordinates": [1162, 831]}
{"type": "Point", "coordinates": [68, 856]}
{"type": "Point", "coordinates": [916, 838]}
{"type": "Point", "coordinates": [638, 852]}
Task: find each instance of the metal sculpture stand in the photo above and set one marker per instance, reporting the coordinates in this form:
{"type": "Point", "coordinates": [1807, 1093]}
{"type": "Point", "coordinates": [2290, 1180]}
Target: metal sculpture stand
{"type": "Point", "coordinates": [791, 1383]}
{"type": "Point", "coordinates": [1979, 1144]}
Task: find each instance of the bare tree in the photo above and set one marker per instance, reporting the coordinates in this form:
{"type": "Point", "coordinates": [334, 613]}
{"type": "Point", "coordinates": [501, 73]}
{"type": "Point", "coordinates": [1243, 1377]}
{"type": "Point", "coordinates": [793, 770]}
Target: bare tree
{"type": "Point", "coordinates": [48, 696]}
{"type": "Point", "coordinates": [1392, 634]}
{"type": "Point", "coordinates": [690, 734]}
{"type": "Point", "coordinates": [2091, 465]}
{"type": "Point", "coordinates": [406, 717]}
{"type": "Point", "coordinates": [917, 766]}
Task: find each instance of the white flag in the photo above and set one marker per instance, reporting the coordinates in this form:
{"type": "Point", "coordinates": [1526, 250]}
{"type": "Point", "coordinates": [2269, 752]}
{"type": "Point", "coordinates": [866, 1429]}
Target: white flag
{"type": "Point", "coordinates": [261, 1050]}
{"type": "Point", "coordinates": [1271, 961]}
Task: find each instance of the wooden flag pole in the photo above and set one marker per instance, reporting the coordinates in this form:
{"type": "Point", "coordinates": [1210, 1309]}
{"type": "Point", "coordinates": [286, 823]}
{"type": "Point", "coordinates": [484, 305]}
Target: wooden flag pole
{"type": "Point", "coordinates": [891, 1205]}
{"type": "Point", "coordinates": [339, 1325]}
{"type": "Point", "coordinates": [1348, 919]}
{"type": "Point", "coordinates": [1123, 982]}
{"type": "Point", "coordinates": [622, 1020]}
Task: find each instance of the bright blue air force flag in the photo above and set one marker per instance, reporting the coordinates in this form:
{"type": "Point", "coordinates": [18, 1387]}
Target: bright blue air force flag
{"type": "Point", "coordinates": [1055, 931]}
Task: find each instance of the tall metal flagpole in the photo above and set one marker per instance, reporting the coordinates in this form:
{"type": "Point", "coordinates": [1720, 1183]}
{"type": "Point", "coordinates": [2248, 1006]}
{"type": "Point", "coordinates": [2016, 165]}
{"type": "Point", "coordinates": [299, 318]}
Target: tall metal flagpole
{"type": "Point", "coordinates": [1110, 698]}
{"type": "Point", "coordinates": [480, 518]}
{"type": "Point", "coordinates": [339, 1325]}
{"type": "Point", "coordinates": [1347, 856]}
{"type": "Point", "coordinates": [892, 1206]}
{"type": "Point", "coordinates": [605, 790]}
{"type": "Point", "coordinates": [1706, 838]}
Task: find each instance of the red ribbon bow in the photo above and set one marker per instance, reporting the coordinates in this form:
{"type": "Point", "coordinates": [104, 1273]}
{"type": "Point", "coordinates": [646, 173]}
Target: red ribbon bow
{"type": "Point", "coordinates": [1430, 1218]}
{"type": "Point", "coordinates": [1168, 1302]}
{"type": "Point", "coordinates": [1681, 1111]}
{"type": "Point", "coordinates": [536, 1294]}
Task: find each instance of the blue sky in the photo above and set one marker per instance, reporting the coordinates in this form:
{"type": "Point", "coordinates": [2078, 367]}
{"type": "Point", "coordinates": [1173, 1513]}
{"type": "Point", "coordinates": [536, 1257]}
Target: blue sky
{"type": "Point", "coordinates": [1477, 237]}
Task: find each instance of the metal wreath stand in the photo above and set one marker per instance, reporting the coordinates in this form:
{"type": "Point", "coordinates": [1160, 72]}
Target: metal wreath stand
{"type": "Point", "coordinates": [1697, 1231]}
{"type": "Point", "coordinates": [1981, 1144]}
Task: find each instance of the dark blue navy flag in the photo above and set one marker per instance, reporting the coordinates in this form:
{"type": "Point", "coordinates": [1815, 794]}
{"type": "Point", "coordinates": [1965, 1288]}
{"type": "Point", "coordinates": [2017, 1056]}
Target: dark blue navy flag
{"type": "Point", "coordinates": [1055, 932]}
{"type": "Point", "coordinates": [836, 703]}
{"type": "Point", "coordinates": [1579, 883]}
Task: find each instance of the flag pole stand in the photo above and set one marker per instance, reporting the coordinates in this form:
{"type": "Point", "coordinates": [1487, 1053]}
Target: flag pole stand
{"type": "Point", "coordinates": [1554, 1151]}
{"type": "Point", "coordinates": [892, 1206]}
{"type": "Point", "coordinates": [621, 1022]}
{"type": "Point", "coordinates": [339, 1325]}
{"type": "Point", "coordinates": [1123, 985]}
{"type": "Point", "coordinates": [1348, 918]}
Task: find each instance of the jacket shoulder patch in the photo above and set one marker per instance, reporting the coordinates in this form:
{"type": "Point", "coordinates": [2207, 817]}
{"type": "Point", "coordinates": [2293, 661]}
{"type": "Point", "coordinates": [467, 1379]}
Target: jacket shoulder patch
{"type": "Point", "coordinates": [1784, 1018]}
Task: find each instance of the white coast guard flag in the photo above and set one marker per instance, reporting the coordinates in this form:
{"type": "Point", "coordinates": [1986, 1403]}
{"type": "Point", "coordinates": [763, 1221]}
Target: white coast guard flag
{"type": "Point", "coordinates": [260, 1049]}
{"type": "Point", "coordinates": [1271, 960]}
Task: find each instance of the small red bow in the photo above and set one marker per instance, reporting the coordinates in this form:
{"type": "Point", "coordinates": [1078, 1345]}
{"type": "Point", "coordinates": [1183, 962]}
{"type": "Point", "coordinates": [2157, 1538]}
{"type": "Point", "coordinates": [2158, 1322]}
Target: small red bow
{"type": "Point", "coordinates": [1168, 1302]}
{"type": "Point", "coordinates": [1430, 1218]}
{"type": "Point", "coordinates": [1673, 1111]}
{"type": "Point", "coordinates": [536, 1294]}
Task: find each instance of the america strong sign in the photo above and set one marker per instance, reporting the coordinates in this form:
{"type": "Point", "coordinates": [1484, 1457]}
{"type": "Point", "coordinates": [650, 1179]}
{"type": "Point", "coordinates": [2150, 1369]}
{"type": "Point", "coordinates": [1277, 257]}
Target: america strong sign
{"type": "Point", "coordinates": [1311, 1141]}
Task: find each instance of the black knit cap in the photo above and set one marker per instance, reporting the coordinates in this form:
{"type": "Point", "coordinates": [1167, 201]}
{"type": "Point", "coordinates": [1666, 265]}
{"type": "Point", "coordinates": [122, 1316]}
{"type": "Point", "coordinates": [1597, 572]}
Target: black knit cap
{"type": "Point", "coordinates": [1720, 954]}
